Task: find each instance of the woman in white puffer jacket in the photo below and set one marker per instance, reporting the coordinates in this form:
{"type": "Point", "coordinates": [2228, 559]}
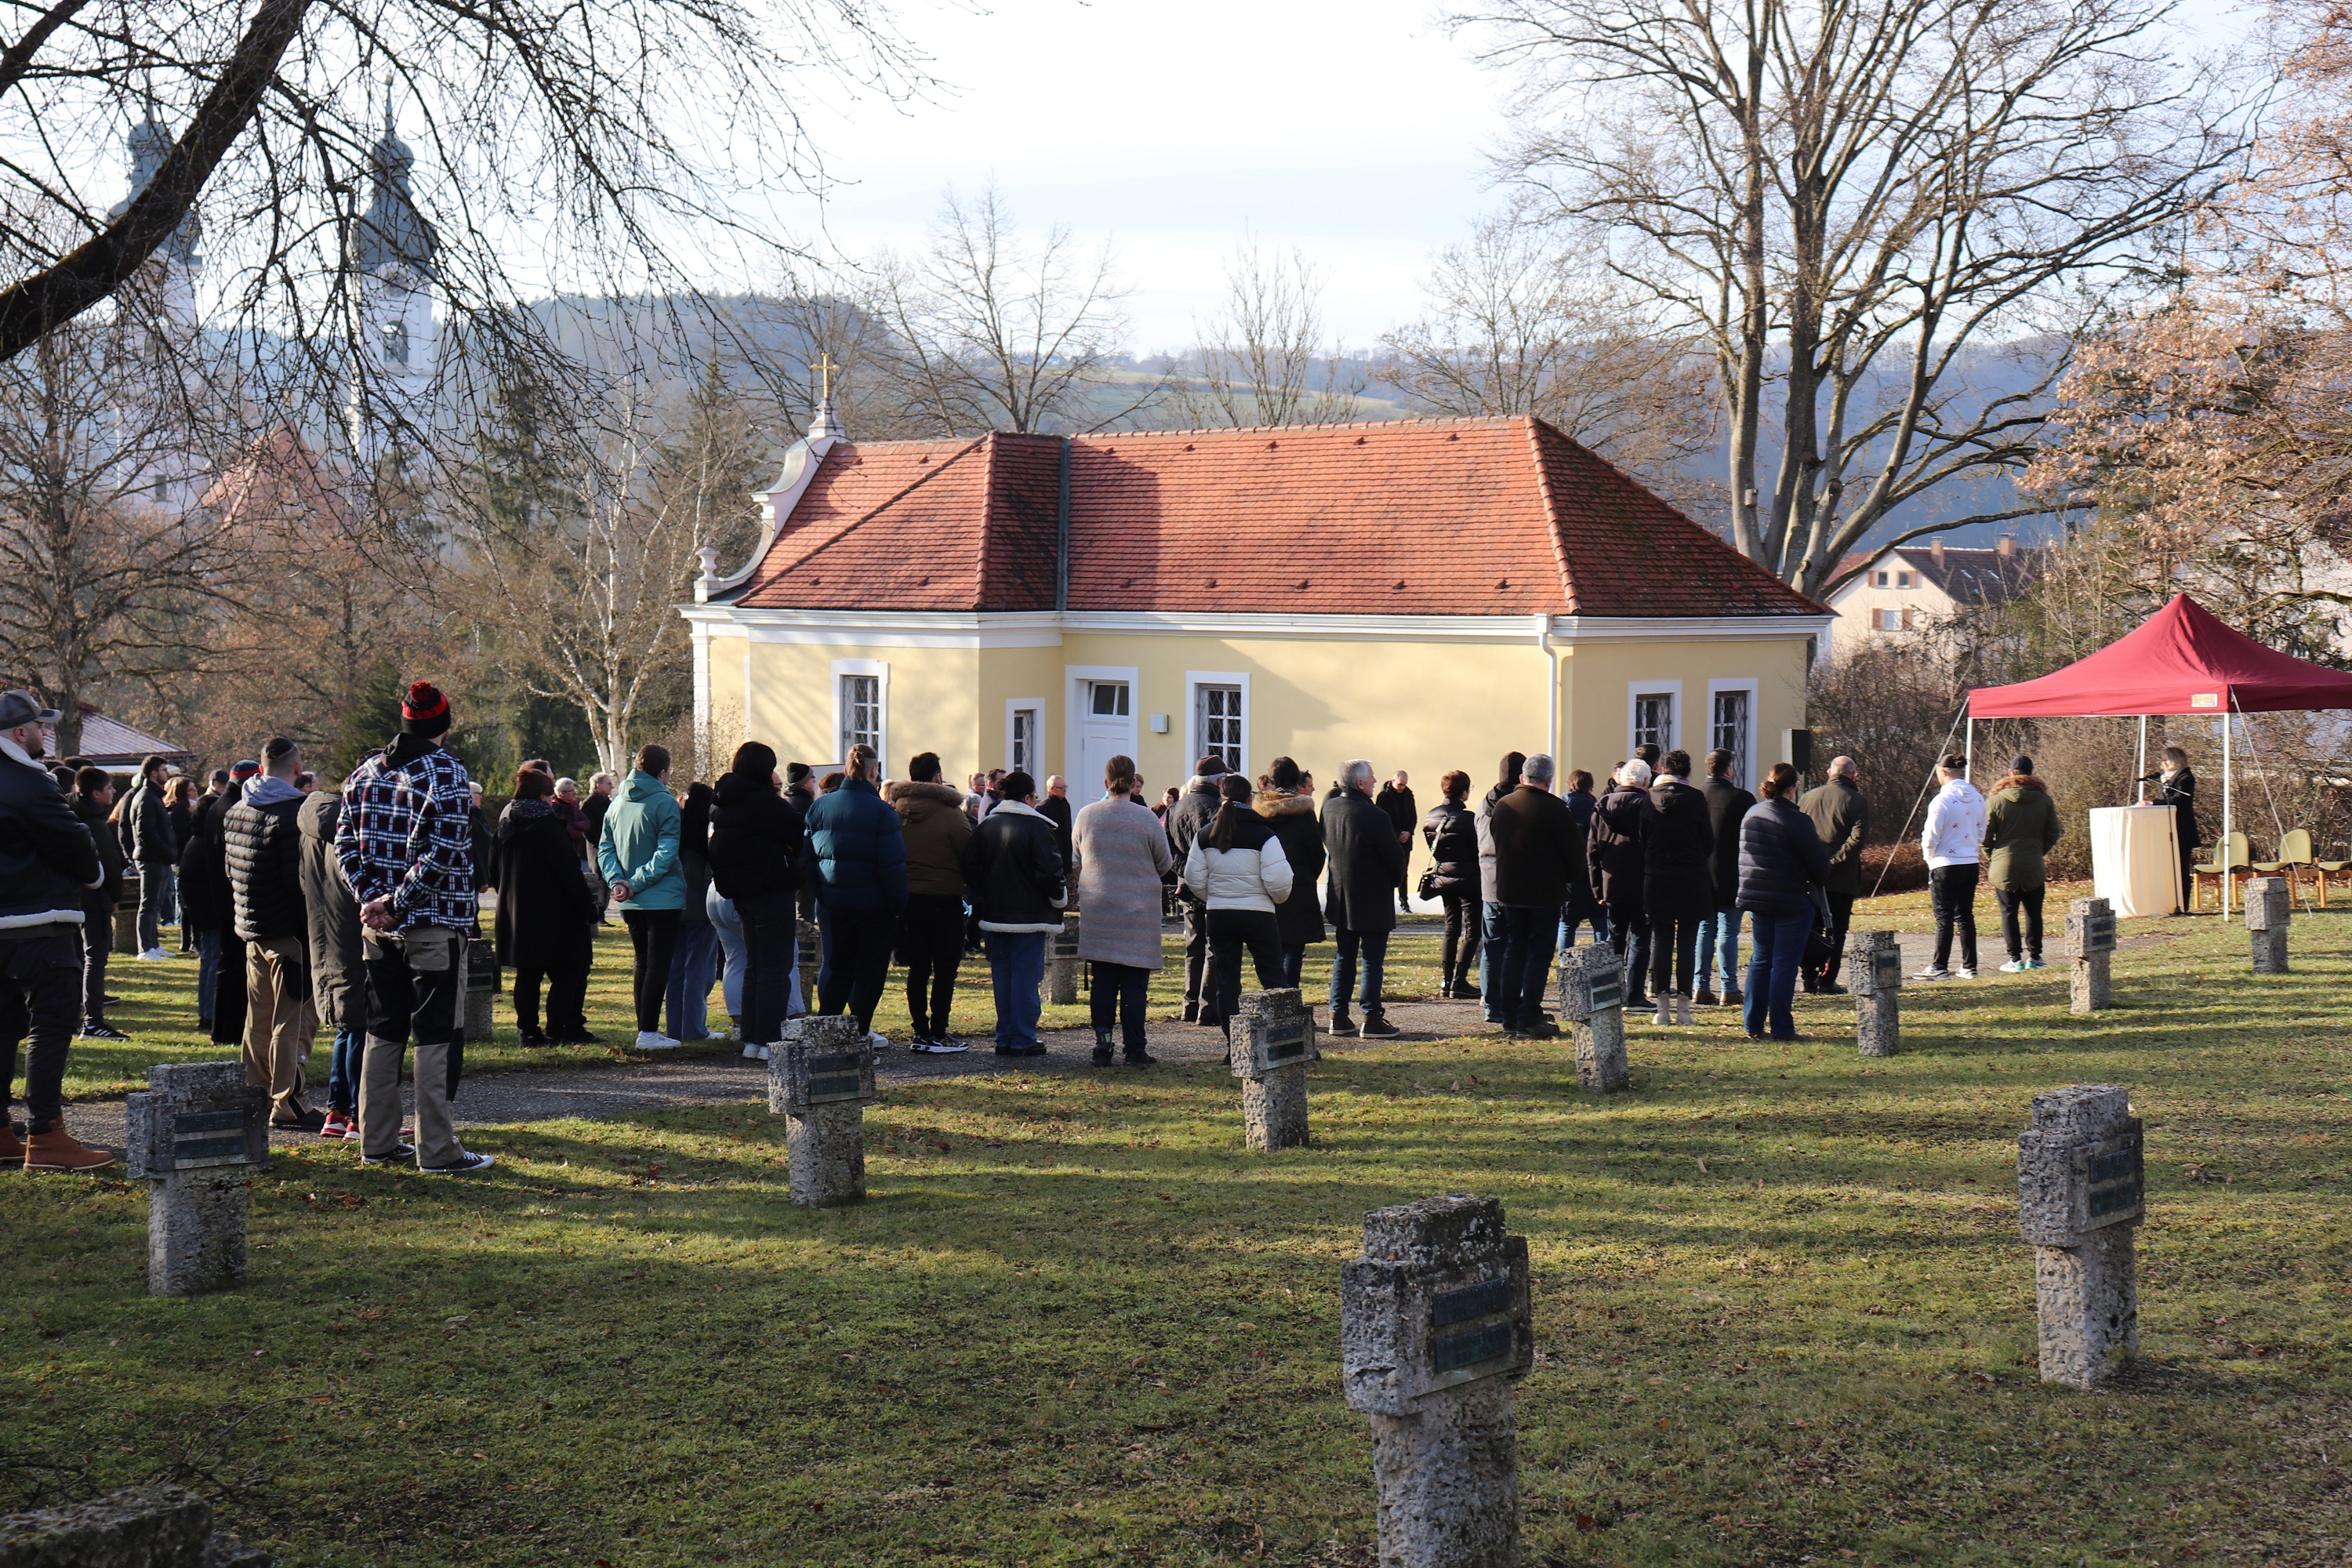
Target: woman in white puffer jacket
{"type": "Point", "coordinates": [1237, 869]}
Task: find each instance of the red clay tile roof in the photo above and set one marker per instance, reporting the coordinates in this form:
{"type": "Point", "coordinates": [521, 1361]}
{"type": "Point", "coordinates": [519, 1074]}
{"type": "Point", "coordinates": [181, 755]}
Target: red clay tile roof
{"type": "Point", "coordinates": [1460, 517]}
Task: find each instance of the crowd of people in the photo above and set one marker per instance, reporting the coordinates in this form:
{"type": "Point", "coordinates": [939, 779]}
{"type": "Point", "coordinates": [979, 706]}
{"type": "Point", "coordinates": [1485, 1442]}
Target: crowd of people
{"type": "Point", "coordinates": [356, 909]}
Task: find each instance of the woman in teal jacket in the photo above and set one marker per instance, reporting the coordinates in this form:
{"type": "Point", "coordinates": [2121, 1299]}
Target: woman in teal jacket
{"type": "Point", "coordinates": [637, 853]}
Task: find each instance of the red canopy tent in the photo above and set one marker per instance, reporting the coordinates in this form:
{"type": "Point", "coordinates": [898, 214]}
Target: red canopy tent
{"type": "Point", "coordinates": [2182, 659]}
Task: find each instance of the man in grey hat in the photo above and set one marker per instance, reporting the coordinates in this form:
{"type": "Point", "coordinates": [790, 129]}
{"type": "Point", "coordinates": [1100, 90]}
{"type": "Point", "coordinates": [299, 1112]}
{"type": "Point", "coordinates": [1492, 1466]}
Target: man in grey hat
{"type": "Point", "coordinates": [48, 863]}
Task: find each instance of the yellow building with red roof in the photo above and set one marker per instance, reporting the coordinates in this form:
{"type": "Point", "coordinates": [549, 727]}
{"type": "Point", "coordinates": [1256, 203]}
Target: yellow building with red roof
{"type": "Point", "coordinates": [1428, 594]}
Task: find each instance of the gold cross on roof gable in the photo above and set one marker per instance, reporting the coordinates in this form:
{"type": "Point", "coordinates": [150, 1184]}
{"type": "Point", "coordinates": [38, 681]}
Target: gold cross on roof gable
{"type": "Point", "coordinates": [825, 367]}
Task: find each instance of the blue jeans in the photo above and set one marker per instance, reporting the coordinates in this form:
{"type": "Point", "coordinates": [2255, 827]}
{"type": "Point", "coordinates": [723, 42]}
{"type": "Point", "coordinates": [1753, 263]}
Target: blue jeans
{"type": "Point", "coordinates": [1772, 974]}
{"type": "Point", "coordinates": [1528, 932]}
{"type": "Point", "coordinates": [343, 1071]}
{"type": "Point", "coordinates": [1016, 962]}
{"type": "Point", "coordinates": [1490, 963]}
{"type": "Point", "coordinates": [693, 965]}
{"type": "Point", "coordinates": [1720, 935]}
{"type": "Point", "coordinates": [1580, 911]}
{"type": "Point", "coordinates": [1374, 945]}
{"type": "Point", "coordinates": [208, 956]}
{"type": "Point", "coordinates": [728, 925]}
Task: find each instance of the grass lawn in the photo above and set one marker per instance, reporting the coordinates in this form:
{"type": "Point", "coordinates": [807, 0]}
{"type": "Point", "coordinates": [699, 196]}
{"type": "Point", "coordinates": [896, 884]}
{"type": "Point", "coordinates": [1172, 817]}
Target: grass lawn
{"type": "Point", "coordinates": [158, 1002]}
{"type": "Point", "coordinates": [1782, 1313]}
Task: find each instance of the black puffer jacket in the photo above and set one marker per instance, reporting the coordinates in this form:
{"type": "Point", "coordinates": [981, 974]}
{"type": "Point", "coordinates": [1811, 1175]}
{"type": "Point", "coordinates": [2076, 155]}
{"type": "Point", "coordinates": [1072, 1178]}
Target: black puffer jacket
{"type": "Point", "coordinates": [1614, 853]}
{"type": "Point", "coordinates": [1014, 870]}
{"type": "Point", "coordinates": [1451, 831]}
{"type": "Point", "coordinates": [47, 859]}
{"type": "Point", "coordinates": [264, 849]}
{"type": "Point", "coordinates": [755, 840]}
{"type": "Point", "coordinates": [1298, 918]}
{"type": "Point", "coordinates": [1781, 860]}
{"type": "Point", "coordinates": [1677, 844]}
{"type": "Point", "coordinates": [110, 858]}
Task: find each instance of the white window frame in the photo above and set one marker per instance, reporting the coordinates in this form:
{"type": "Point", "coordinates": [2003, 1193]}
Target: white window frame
{"type": "Point", "coordinates": [1076, 680]}
{"type": "Point", "coordinates": [1637, 689]}
{"type": "Point", "coordinates": [1881, 579]}
{"type": "Point", "coordinates": [1753, 687]}
{"type": "Point", "coordinates": [880, 669]}
{"type": "Point", "coordinates": [1035, 706]}
{"type": "Point", "coordinates": [1195, 741]}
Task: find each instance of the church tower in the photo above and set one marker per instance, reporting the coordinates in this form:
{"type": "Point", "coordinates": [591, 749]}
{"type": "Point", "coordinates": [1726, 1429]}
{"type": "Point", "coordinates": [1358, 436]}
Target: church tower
{"type": "Point", "coordinates": [175, 261]}
{"type": "Point", "coordinates": [393, 252]}
{"type": "Point", "coordinates": [159, 309]}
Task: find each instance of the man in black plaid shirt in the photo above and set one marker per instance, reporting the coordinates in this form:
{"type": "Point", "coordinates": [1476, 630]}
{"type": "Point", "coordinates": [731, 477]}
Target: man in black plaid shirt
{"type": "Point", "coordinates": [405, 842]}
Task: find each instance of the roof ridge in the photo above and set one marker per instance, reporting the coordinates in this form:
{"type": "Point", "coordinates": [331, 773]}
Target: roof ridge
{"type": "Point", "coordinates": [1551, 513]}
{"type": "Point", "coordinates": [987, 520]}
{"type": "Point", "coordinates": [1421, 421]}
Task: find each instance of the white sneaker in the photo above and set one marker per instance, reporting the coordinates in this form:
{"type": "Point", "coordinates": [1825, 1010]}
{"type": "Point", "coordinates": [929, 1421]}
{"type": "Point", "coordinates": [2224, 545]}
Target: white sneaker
{"type": "Point", "coordinates": [154, 954]}
{"type": "Point", "coordinates": [751, 1052]}
{"type": "Point", "coordinates": [2015, 966]}
{"type": "Point", "coordinates": [877, 1040]}
{"type": "Point", "coordinates": [649, 1041]}
{"type": "Point", "coordinates": [1932, 974]}
{"type": "Point", "coordinates": [1964, 972]}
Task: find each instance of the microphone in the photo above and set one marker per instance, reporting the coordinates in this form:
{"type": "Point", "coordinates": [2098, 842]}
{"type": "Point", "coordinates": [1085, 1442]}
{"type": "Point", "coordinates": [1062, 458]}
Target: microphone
{"type": "Point", "coordinates": [2147, 778]}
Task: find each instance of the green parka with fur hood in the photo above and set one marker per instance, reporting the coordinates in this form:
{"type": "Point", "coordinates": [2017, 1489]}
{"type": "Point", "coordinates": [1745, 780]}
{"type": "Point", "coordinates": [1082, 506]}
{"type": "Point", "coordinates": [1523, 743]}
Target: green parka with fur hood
{"type": "Point", "coordinates": [2020, 824]}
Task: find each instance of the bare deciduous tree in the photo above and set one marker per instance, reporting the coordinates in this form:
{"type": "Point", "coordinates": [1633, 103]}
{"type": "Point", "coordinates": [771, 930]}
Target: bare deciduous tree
{"type": "Point", "coordinates": [986, 332]}
{"type": "Point", "coordinates": [1853, 201]}
{"type": "Point", "coordinates": [1520, 320]}
{"type": "Point", "coordinates": [1264, 359]}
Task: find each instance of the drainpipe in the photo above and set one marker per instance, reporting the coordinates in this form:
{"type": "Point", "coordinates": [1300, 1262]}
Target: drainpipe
{"type": "Point", "coordinates": [1551, 688]}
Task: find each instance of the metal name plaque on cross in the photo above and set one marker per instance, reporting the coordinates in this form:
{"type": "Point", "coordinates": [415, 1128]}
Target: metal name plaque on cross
{"type": "Point", "coordinates": [2109, 1184]}
{"type": "Point", "coordinates": [1450, 1305]}
{"type": "Point", "coordinates": [1886, 969]}
{"type": "Point", "coordinates": [197, 1116]}
{"type": "Point", "coordinates": [1278, 1030]}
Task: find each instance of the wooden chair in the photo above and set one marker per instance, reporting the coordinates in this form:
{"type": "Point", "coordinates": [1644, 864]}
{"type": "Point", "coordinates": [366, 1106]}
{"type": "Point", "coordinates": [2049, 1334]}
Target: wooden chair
{"type": "Point", "coordinates": [2325, 870]}
{"type": "Point", "coordinates": [2293, 861]}
{"type": "Point", "coordinates": [2235, 861]}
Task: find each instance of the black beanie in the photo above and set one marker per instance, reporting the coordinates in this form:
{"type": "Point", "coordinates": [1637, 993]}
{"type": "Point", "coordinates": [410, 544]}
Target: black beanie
{"type": "Point", "coordinates": [756, 760]}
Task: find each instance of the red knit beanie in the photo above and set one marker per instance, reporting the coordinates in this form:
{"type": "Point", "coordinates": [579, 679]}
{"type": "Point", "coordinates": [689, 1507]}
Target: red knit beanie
{"type": "Point", "coordinates": [425, 711]}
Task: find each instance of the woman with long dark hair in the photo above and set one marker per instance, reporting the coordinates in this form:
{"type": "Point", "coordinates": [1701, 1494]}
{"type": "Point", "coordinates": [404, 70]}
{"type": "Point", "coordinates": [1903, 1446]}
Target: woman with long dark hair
{"type": "Point", "coordinates": [755, 855]}
{"type": "Point", "coordinates": [1451, 831]}
{"type": "Point", "coordinates": [545, 910]}
{"type": "Point", "coordinates": [1236, 869]}
{"type": "Point", "coordinates": [694, 965]}
{"type": "Point", "coordinates": [1285, 801]}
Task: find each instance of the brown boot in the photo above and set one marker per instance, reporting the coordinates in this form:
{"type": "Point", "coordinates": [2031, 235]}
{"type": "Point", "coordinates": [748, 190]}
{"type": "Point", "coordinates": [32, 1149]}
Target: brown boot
{"type": "Point", "coordinates": [12, 1149]}
{"type": "Point", "coordinates": [57, 1150]}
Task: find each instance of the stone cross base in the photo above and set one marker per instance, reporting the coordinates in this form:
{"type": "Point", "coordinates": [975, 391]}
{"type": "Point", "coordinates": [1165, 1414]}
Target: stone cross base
{"type": "Point", "coordinates": [824, 1148]}
{"type": "Point", "coordinates": [1878, 1022]}
{"type": "Point", "coordinates": [2088, 1297]}
{"type": "Point", "coordinates": [480, 1018]}
{"type": "Point", "coordinates": [2090, 988]}
{"type": "Point", "coordinates": [1600, 1045]}
{"type": "Point", "coordinates": [150, 1527]}
{"type": "Point", "coordinates": [1062, 980]}
{"type": "Point", "coordinates": [2269, 951]}
{"type": "Point", "coordinates": [1448, 1481]}
{"type": "Point", "coordinates": [195, 1230]}
{"type": "Point", "coordinates": [1274, 1109]}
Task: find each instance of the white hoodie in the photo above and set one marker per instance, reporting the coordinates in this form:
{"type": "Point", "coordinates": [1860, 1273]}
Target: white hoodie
{"type": "Point", "coordinates": [1955, 826]}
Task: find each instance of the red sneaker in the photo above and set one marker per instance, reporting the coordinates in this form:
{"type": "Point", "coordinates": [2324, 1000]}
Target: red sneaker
{"type": "Point", "coordinates": [336, 1128]}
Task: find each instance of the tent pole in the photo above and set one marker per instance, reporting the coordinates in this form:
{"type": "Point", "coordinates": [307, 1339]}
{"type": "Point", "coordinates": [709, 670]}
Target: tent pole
{"type": "Point", "coordinates": [2224, 857]}
{"type": "Point", "coordinates": [1970, 754]}
{"type": "Point", "coordinates": [2140, 774]}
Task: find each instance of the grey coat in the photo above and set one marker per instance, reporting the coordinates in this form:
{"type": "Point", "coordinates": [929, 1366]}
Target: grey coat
{"type": "Point", "coordinates": [1122, 859]}
{"type": "Point", "coordinates": [333, 917]}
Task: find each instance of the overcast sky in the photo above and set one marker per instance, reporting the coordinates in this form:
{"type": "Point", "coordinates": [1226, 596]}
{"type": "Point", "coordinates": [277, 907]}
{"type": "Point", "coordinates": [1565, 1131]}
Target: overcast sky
{"type": "Point", "coordinates": [1355, 129]}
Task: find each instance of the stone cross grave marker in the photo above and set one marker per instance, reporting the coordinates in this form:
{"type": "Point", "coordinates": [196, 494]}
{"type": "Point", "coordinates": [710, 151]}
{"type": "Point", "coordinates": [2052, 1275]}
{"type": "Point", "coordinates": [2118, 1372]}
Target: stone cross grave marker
{"type": "Point", "coordinates": [1592, 1004]}
{"type": "Point", "coordinates": [2091, 943]}
{"type": "Point", "coordinates": [196, 1135]}
{"type": "Point", "coordinates": [808, 951]}
{"type": "Point", "coordinates": [139, 1527]}
{"type": "Point", "coordinates": [1273, 1041]}
{"type": "Point", "coordinates": [820, 1077]}
{"type": "Point", "coordinates": [1435, 1322]}
{"type": "Point", "coordinates": [482, 989]}
{"type": "Point", "coordinates": [2080, 1192]}
{"type": "Point", "coordinates": [1873, 960]}
{"type": "Point", "coordinates": [1062, 962]}
{"type": "Point", "coordinates": [2269, 906]}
